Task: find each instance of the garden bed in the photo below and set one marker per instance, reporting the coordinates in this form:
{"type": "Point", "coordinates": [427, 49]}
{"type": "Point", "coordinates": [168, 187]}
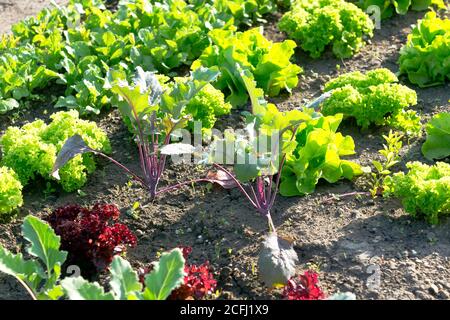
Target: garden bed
{"type": "Point", "coordinates": [350, 240]}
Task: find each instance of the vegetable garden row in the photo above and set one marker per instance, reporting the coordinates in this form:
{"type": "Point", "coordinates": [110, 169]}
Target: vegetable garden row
{"type": "Point", "coordinates": [174, 69]}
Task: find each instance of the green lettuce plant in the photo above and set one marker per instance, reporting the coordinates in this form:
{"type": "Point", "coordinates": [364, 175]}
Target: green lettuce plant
{"type": "Point", "coordinates": [389, 7]}
{"type": "Point", "coordinates": [31, 150]}
{"type": "Point", "coordinates": [10, 192]}
{"type": "Point", "coordinates": [373, 98]}
{"type": "Point", "coordinates": [243, 12]}
{"type": "Point", "coordinates": [424, 57]}
{"type": "Point", "coordinates": [315, 25]}
{"type": "Point", "coordinates": [437, 145]}
{"type": "Point", "coordinates": [318, 156]}
{"type": "Point", "coordinates": [424, 190]}
{"type": "Point", "coordinates": [268, 62]}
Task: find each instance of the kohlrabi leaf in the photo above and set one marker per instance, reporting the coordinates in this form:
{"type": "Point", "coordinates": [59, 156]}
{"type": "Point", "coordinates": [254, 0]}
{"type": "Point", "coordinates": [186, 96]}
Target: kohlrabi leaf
{"type": "Point", "coordinates": [277, 261]}
{"type": "Point", "coordinates": [167, 275]}
{"type": "Point", "coordinates": [72, 147]}
{"type": "Point", "coordinates": [124, 280]}
{"type": "Point", "coordinates": [221, 178]}
{"type": "Point", "coordinates": [258, 102]}
{"type": "Point", "coordinates": [80, 289]}
{"type": "Point", "coordinates": [8, 105]}
{"type": "Point", "coordinates": [174, 101]}
{"type": "Point", "coordinates": [437, 145]}
{"type": "Point", "coordinates": [148, 83]}
{"type": "Point", "coordinates": [144, 94]}
{"type": "Point", "coordinates": [15, 265]}
{"type": "Point", "coordinates": [44, 244]}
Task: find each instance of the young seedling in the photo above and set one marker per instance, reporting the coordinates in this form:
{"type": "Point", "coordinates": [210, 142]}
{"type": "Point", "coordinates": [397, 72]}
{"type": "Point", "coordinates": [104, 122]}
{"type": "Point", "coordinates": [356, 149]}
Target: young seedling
{"type": "Point", "coordinates": [390, 153]}
{"type": "Point", "coordinates": [154, 115]}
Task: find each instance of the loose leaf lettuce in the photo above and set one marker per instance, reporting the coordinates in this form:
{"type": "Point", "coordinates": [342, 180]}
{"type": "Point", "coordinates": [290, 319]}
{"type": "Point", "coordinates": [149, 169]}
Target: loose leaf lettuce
{"type": "Point", "coordinates": [268, 62]}
{"type": "Point", "coordinates": [437, 145]}
{"type": "Point", "coordinates": [373, 98]}
{"type": "Point", "coordinates": [424, 57]}
{"type": "Point", "coordinates": [10, 191]}
{"type": "Point", "coordinates": [318, 155]}
{"type": "Point", "coordinates": [387, 7]}
{"type": "Point", "coordinates": [318, 24]}
{"type": "Point", "coordinates": [31, 150]}
{"type": "Point", "coordinates": [424, 190]}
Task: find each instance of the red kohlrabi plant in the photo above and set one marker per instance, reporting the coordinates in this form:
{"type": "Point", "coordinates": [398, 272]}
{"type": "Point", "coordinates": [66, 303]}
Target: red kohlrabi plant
{"type": "Point", "coordinates": [154, 116]}
{"type": "Point", "coordinates": [258, 155]}
{"type": "Point", "coordinates": [91, 236]}
{"type": "Point", "coordinates": [303, 287]}
{"type": "Point", "coordinates": [257, 158]}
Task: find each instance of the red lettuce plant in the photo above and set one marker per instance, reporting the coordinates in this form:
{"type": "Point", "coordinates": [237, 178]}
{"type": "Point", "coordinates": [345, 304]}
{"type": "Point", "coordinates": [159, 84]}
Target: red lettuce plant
{"type": "Point", "coordinates": [91, 236]}
{"type": "Point", "coordinates": [303, 287]}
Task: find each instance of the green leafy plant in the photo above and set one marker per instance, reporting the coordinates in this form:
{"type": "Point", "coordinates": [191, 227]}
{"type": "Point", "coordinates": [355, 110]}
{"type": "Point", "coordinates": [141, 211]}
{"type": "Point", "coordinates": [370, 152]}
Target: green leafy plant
{"type": "Point", "coordinates": [424, 190]}
{"type": "Point", "coordinates": [389, 7]}
{"type": "Point", "coordinates": [257, 155]}
{"type": "Point", "coordinates": [205, 107]}
{"type": "Point", "coordinates": [75, 46]}
{"type": "Point", "coordinates": [318, 156]}
{"type": "Point", "coordinates": [391, 156]}
{"type": "Point", "coordinates": [437, 145]}
{"type": "Point", "coordinates": [423, 57]}
{"type": "Point", "coordinates": [244, 12]}
{"type": "Point", "coordinates": [22, 74]}
{"type": "Point", "coordinates": [167, 275]}
{"type": "Point", "coordinates": [268, 62]}
{"type": "Point", "coordinates": [318, 24]}
{"type": "Point", "coordinates": [10, 192]}
{"type": "Point", "coordinates": [373, 98]}
{"type": "Point", "coordinates": [31, 150]}
{"type": "Point", "coordinates": [154, 115]}
{"type": "Point", "coordinates": [40, 274]}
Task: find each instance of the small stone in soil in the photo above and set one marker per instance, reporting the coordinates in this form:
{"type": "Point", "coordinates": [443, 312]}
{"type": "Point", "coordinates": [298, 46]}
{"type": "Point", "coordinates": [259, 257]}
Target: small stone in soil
{"type": "Point", "coordinates": [433, 289]}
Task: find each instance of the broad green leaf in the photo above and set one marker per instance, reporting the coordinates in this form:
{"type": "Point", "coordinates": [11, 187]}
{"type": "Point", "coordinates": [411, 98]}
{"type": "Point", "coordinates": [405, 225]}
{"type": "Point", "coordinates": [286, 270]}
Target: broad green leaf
{"type": "Point", "coordinates": [437, 145]}
{"type": "Point", "coordinates": [377, 165]}
{"type": "Point", "coordinates": [15, 265]}
{"type": "Point", "coordinates": [80, 289]}
{"type": "Point", "coordinates": [8, 105]}
{"type": "Point", "coordinates": [44, 243]}
{"type": "Point", "coordinates": [167, 275]}
{"type": "Point", "coordinates": [55, 293]}
{"type": "Point", "coordinates": [124, 280]}
{"type": "Point", "coordinates": [402, 6]}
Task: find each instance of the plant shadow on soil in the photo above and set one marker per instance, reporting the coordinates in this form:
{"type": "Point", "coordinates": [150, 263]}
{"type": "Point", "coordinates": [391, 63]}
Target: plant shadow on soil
{"type": "Point", "coordinates": [341, 238]}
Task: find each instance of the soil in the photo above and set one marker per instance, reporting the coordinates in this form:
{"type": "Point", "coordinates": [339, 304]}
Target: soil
{"type": "Point", "coordinates": [352, 241]}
